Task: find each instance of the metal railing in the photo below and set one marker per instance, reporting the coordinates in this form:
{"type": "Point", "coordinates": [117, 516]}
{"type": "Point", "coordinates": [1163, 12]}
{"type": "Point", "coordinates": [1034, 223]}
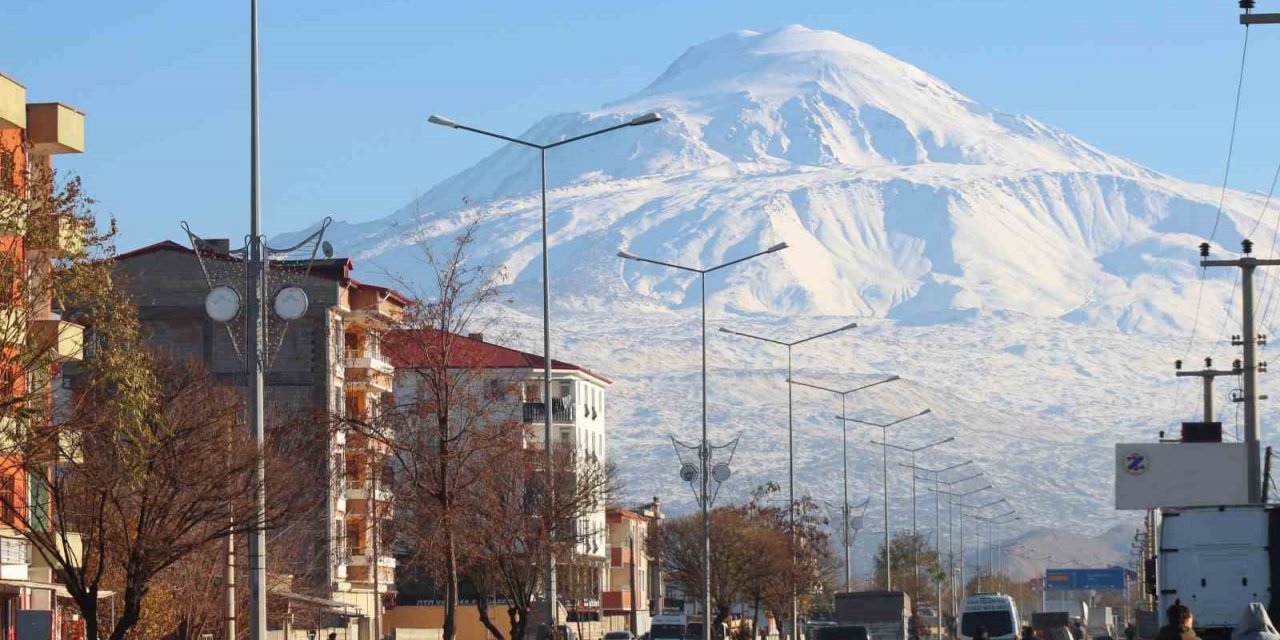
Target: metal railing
{"type": "Point", "coordinates": [535, 412]}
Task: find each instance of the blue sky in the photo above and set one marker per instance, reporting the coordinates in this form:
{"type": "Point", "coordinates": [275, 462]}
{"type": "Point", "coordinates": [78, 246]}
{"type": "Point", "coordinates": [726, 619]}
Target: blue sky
{"type": "Point", "coordinates": [347, 86]}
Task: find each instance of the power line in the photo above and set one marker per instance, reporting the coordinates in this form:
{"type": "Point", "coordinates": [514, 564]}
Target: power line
{"type": "Point", "coordinates": [1226, 174]}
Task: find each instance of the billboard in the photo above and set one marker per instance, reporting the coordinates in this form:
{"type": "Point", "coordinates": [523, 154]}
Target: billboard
{"type": "Point", "coordinates": [1151, 475]}
{"type": "Point", "coordinates": [1084, 579]}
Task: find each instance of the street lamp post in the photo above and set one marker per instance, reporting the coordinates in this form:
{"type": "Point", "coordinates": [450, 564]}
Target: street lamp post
{"type": "Point", "coordinates": [963, 564]}
{"type": "Point", "coordinates": [937, 525]}
{"type": "Point", "coordinates": [915, 554]}
{"type": "Point", "coordinates": [791, 455]}
{"type": "Point", "coordinates": [884, 451]}
{"type": "Point", "coordinates": [705, 451]}
{"type": "Point", "coordinates": [844, 440]}
{"type": "Point", "coordinates": [648, 118]}
{"type": "Point", "coordinates": [952, 574]}
{"type": "Point", "coordinates": [978, 521]}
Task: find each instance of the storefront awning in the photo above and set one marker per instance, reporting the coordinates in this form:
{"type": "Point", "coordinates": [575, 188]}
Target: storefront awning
{"type": "Point", "coordinates": [319, 602]}
{"type": "Point", "coordinates": [57, 588]}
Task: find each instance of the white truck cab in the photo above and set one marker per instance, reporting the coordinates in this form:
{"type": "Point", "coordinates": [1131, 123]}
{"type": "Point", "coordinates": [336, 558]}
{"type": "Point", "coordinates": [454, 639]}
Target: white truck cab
{"type": "Point", "coordinates": [994, 611]}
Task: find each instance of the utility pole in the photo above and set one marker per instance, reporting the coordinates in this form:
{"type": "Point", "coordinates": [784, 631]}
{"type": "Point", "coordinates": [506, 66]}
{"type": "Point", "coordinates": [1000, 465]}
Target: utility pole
{"type": "Point", "coordinates": [1207, 374]}
{"type": "Point", "coordinates": [1249, 340]}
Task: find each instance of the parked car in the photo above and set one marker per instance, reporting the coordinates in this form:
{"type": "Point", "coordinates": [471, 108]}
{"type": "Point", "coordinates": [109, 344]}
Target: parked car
{"type": "Point", "coordinates": [619, 635]}
{"type": "Point", "coordinates": [841, 632]}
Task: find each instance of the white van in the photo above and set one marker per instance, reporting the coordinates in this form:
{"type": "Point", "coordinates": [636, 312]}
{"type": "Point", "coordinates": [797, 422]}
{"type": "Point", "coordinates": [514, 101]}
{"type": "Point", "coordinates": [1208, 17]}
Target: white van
{"type": "Point", "coordinates": [994, 611]}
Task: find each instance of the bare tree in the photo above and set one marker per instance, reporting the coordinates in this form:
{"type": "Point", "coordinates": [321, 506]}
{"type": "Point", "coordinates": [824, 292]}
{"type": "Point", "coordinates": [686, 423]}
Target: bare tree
{"type": "Point", "coordinates": [512, 537]}
{"type": "Point", "coordinates": [447, 427]}
{"type": "Point", "coordinates": [750, 554]}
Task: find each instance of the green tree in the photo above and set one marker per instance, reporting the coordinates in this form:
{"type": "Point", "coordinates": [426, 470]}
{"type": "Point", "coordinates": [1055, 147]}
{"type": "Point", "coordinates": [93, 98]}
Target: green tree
{"type": "Point", "coordinates": [906, 549]}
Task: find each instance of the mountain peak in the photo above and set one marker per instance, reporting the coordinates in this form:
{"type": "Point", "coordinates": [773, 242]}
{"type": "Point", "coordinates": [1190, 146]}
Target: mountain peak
{"type": "Point", "coordinates": [783, 59]}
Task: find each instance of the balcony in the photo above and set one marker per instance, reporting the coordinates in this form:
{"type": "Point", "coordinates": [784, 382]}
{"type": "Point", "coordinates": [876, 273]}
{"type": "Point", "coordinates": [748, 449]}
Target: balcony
{"type": "Point", "coordinates": [64, 340]}
{"type": "Point", "coordinates": [535, 412]}
{"type": "Point", "coordinates": [13, 104]}
{"type": "Point", "coordinates": [62, 235]}
{"type": "Point", "coordinates": [359, 569]}
{"type": "Point", "coordinates": [13, 326]}
{"type": "Point", "coordinates": [619, 557]}
{"type": "Point", "coordinates": [53, 127]}
{"type": "Point", "coordinates": [367, 371]}
{"type": "Point", "coordinates": [75, 551]}
{"type": "Point", "coordinates": [359, 489]}
{"type": "Point", "coordinates": [616, 600]}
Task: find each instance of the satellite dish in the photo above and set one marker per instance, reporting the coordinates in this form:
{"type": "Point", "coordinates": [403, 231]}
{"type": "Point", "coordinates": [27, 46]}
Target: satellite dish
{"type": "Point", "coordinates": [688, 472]}
{"type": "Point", "coordinates": [721, 472]}
{"type": "Point", "coordinates": [326, 249]}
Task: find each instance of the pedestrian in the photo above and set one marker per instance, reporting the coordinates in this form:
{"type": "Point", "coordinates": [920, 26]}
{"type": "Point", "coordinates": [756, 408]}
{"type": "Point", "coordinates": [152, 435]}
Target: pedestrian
{"type": "Point", "coordinates": [981, 633]}
{"type": "Point", "coordinates": [1255, 624]}
{"type": "Point", "coordinates": [1028, 633]}
{"type": "Point", "coordinates": [1077, 629]}
{"type": "Point", "coordinates": [1130, 632]}
{"type": "Point", "coordinates": [1181, 623]}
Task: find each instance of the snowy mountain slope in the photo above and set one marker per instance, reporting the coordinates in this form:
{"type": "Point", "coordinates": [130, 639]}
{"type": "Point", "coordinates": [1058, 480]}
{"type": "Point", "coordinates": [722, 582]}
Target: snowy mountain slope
{"type": "Point", "coordinates": [1032, 289]}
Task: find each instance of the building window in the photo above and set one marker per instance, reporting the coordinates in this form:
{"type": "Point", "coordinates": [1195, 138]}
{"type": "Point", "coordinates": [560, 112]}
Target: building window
{"type": "Point", "coordinates": [8, 497]}
{"type": "Point", "coordinates": [8, 171]}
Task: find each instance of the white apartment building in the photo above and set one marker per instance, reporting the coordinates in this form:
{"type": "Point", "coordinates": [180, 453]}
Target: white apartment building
{"type": "Point", "coordinates": [578, 420]}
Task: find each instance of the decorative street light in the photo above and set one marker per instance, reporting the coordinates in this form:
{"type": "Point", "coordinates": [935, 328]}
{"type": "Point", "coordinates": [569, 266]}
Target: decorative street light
{"type": "Point", "coordinates": [915, 555]}
{"type": "Point", "coordinates": [884, 450]}
{"type": "Point", "coordinates": [648, 118]}
{"type": "Point", "coordinates": [791, 452]}
{"type": "Point", "coordinates": [844, 439]}
{"type": "Point", "coordinates": [937, 522]}
{"type": "Point", "coordinates": [704, 454]}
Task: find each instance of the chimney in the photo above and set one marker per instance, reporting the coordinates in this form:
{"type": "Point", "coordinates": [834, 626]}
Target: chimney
{"type": "Point", "coordinates": [478, 337]}
{"type": "Point", "coordinates": [220, 245]}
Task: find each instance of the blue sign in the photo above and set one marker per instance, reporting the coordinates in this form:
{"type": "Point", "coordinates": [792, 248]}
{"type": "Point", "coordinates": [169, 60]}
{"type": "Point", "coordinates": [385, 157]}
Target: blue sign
{"type": "Point", "coordinates": [1112, 579]}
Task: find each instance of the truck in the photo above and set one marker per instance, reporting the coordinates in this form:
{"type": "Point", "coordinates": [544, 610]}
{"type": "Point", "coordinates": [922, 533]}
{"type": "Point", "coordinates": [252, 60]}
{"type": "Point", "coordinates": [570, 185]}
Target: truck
{"type": "Point", "coordinates": [667, 626]}
{"type": "Point", "coordinates": [1217, 560]}
{"type": "Point", "coordinates": [1101, 623]}
{"type": "Point", "coordinates": [885, 614]}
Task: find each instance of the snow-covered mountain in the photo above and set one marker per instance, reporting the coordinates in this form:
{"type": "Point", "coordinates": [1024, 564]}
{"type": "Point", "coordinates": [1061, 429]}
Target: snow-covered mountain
{"type": "Point", "coordinates": [1030, 288]}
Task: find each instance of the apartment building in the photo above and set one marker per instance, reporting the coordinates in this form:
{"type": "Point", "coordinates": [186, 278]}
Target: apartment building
{"type": "Point", "coordinates": [578, 421]}
{"type": "Point", "coordinates": [635, 579]}
{"type": "Point", "coordinates": [31, 134]}
{"type": "Point", "coordinates": [327, 363]}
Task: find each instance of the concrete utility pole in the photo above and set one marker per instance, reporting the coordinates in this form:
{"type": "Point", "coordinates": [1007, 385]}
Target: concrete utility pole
{"type": "Point", "coordinates": [1207, 374]}
{"type": "Point", "coordinates": [1249, 340]}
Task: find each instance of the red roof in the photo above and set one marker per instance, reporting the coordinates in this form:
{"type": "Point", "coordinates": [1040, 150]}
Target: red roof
{"type": "Point", "coordinates": [413, 349]}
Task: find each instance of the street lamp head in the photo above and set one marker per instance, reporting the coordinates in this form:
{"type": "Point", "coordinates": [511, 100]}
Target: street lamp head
{"type": "Point", "coordinates": [442, 121]}
{"type": "Point", "coordinates": [648, 118]}
{"type": "Point", "coordinates": [777, 247]}
{"type": "Point", "coordinates": [626, 256]}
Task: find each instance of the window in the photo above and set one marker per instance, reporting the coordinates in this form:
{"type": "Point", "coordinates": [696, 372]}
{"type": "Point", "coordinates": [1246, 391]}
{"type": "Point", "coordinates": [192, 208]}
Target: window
{"type": "Point", "coordinates": [533, 392]}
{"type": "Point", "coordinates": [8, 171]}
{"type": "Point", "coordinates": [8, 496]}
{"type": "Point", "coordinates": [39, 501]}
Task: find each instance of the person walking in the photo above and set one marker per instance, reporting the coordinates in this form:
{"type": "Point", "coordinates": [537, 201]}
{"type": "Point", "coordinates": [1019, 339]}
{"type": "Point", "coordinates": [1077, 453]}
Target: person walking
{"type": "Point", "coordinates": [1078, 630]}
{"type": "Point", "coordinates": [1181, 623]}
{"type": "Point", "coordinates": [1130, 632]}
{"type": "Point", "coordinates": [1255, 624]}
{"type": "Point", "coordinates": [981, 633]}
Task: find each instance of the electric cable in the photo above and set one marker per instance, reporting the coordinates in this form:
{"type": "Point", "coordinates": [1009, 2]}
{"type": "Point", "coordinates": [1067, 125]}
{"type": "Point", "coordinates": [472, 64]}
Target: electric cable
{"type": "Point", "coordinates": [1226, 174]}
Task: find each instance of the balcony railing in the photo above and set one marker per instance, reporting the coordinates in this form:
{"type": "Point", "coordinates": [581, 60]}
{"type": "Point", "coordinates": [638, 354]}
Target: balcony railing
{"type": "Point", "coordinates": [535, 412]}
{"type": "Point", "coordinates": [367, 359]}
{"type": "Point", "coordinates": [15, 551]}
